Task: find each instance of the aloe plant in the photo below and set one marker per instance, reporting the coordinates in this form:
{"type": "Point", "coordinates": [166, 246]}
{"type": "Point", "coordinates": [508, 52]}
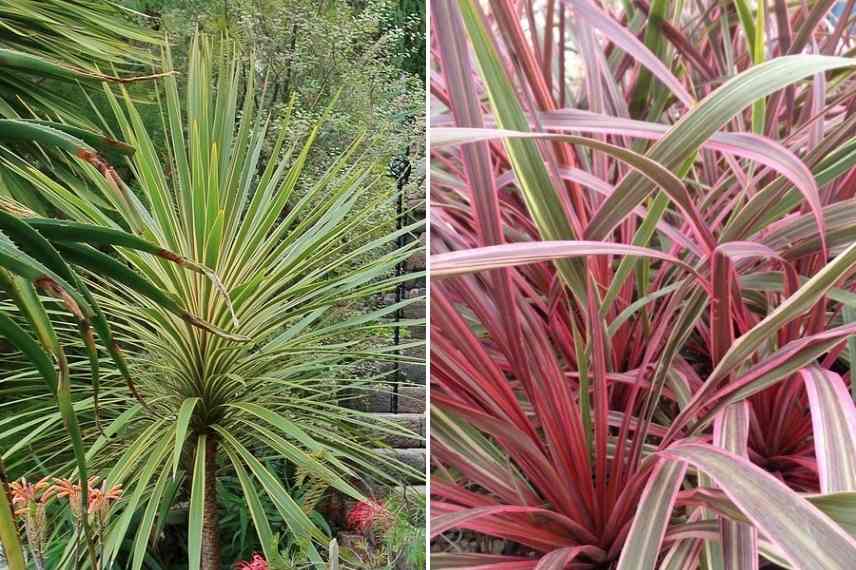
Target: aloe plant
{"type": "Point", "coordinates": [266, 377]}
{"type": "Point", "coordinates": [638, 349]}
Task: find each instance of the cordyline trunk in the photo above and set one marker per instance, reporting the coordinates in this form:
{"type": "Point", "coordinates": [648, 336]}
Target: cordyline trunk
{"type": "Point", "coordinates": [210, 541]}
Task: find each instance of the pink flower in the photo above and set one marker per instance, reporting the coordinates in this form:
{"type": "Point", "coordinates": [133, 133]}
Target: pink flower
{"type": "Point", "coordinates": [257, 563]}
{"type": "Point", "coordinates": [366, 514]}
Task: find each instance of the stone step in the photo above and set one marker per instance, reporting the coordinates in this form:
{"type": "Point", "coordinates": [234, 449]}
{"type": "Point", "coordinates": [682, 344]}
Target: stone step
{"type": "Point", "coordinates": [379, 399]}
{"type": "Point", "coordinates": [371, 398]}
{"type": "Point", "coordinates": [412, 422]}
{"type": "Point", "coordinates": [416, 262]}
{"type": "Point", "coordinates": [410, 373]}
{"type": "Point", "coordinates": [413, 373]}
{"type": "Point", "coordinates": [414, 310]}
{"type": "Point", "coordinates": [411, 399]}
{"type": "Point", "coordinates": [413, 457]}
{"type": "Point", "coordinates": [380, 491]}
{"type": "Point", "coordinates": [415, 352]}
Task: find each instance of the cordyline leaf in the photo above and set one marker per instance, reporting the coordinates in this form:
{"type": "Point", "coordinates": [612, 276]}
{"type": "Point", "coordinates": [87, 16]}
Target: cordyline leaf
{"type": "Point", "coordinates": [39, 66]}
{"type": "Point", "coordinates": [182, 422]}
{"type": "Point", "coordinates": [457, 70]}
{"type": "Point", "coordinates": [291, 512]}
{"type": "Point", "coordinates": [152, 457]}
{"type": "Point", "coordinates": [685, 138]}
{"type": "Point", "coordinates": [649, 168]}
{"type": "Point", "coordinates": [102, 264]}
{"type": "Point", "coordinates": [144, 532]}
{"type": "Point", "coordinates": [542, 199]}
{"type": "Point", "coordinates": [468, 561]}
{"type": "Point", "coordinates": [771, 370]}
{"type": "Point", "coordinates": [794, 306]}
{"type": "Point", "coordinates": [808, 538]}
{"type": "Point", "coordinates": [442, 523]}
{"type": "Point", "coordinates": [848, 315]}
{"type": "Point", "coordinates": [833, 418]}
{"type": "Point", "coordinates": [559, 559]}
{"type": "Point", "coordinates": [619, 35]}
{"type": "Point", "coordinates": [509, 255]}
{"type": "Point", "coordinates": [257, 512]}
{"type": "Point", "coordinates": [840, 507]}
{"type": "Point", "coordinates": [642, 548]}
{"type": "Point", "coordinates": [196, 509]}
{"type": "Point", "coordinates": [763, 150]}
{"type": "Point", "coordinates": [739, 541]}
{"type": "Point", "coordinates": [685, 535]}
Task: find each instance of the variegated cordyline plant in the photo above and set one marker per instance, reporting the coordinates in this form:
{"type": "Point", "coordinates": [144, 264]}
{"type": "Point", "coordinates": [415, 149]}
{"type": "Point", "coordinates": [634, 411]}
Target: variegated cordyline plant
{"type": "Point", "coordinates": [255, 373]}
{"type": "Point", "coordinates": [641, 283]}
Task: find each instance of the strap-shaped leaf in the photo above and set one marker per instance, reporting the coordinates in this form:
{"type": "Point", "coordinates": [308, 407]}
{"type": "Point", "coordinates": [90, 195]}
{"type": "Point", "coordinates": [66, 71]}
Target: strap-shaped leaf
{"type": "Point", "coordinates": [104, 265]}
{"type": "Point", "coordinates": [185, 412]}
{"type": "Point", "coordinates": [808, 538]}
{"type": "Point", "coordinates": [561, 558]}
{"type": "Point", "coordinates": [833, 417]}
{"type": "Point", "coordinates": [794, 306]}
{"type": "Point", "coordinates": [257, 512]}
{"type": "Point", "coordinates": [685, 138]}
{"type": "Point", "coordinates": [739, 540]}
{"type": "Point", "coordinates": [621, 36]}
{"type": "Point", "coordinates": [196, 510]}
{"type": "Point", "coordinates": [650, 169]}
{"type": "Point", "coordinates": [509, 255]}
{"type": "Point", "coordinates": [542, 198]}
{"type": "Point", "coordinates": [144, 531]}
{"type": "Point", "coordinates": [642, 548]}
{"type": "Point", "coordinates": [9, 539]}
{"type": "Point", "coordinates": [295, 518]}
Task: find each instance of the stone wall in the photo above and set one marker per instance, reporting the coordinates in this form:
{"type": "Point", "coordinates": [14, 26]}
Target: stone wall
{"type": "Point", "coordinates": [403, 404]}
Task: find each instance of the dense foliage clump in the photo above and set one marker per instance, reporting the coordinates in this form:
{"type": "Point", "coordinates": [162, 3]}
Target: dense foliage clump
{"type": "Point", "coordinates": [642, 299]}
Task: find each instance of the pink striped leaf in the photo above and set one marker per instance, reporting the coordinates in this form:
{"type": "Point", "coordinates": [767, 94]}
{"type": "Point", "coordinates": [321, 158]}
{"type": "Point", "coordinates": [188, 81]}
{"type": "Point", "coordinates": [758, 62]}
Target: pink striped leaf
{"type": "Point", "coordinates": [808, 538]}
{"type": "Point", "coordinates": [760, 149]}
{"type": "Point", "coordinates": [793, 307]}
{"type": "Point", "coordinates": [685, 138]}
{"type": "Point", "coordinates": [560, 558]}
{"type": "Point", "coordinates": [642, 548]}
{"type": "Point", "coordinates": [461, 518]}
{"type": "Point", "coordinates": [509, 255]}
{"type": "Point", "coordinates": [620, 36]}
{"type": "Point", "coordinates": [469, 561]}
{"type": "Point", "coordinates": [650, 169]}
{"type": "Point", "coordinates": [739, 540]}
{"type": "Point", "coordinates": [766, 373]}
{"type": "Point", "coordinates": [833, 417]}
